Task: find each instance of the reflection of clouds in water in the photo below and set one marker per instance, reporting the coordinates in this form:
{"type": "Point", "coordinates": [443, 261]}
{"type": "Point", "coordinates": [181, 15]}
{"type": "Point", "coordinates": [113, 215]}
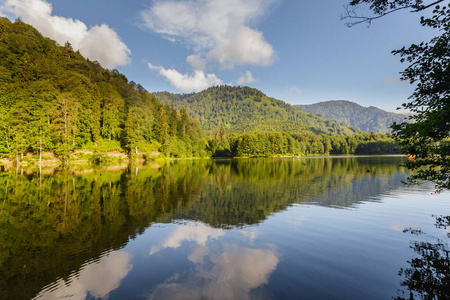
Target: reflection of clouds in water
{"type": "Point", "coordinates": [234, 273]}
{"type": "Point", "coordinates": [97, 278]}
{"type": "Point", "coordinates": [298, 221]}
{"type": "Point", "coordinates": [194, 232]}
{"type": "Point", "coordinates": [250, 233]}
{"type": "Point", "coordinates": [227, 272]}
{"type": "Point", "coordinates": [241, 269]}
{"type": "Point", "coordinates": [199, 254]}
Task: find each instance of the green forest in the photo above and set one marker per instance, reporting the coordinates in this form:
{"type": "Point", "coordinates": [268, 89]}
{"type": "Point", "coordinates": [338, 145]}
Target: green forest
{"type": "Point", "coordinates": [53, 100]}
{"type": "Point", "coordinates": [244, 109]}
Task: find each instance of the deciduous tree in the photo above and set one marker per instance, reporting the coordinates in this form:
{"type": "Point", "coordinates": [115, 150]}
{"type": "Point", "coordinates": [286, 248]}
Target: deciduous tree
{"type": "Point", "coordinates": [427, 137]}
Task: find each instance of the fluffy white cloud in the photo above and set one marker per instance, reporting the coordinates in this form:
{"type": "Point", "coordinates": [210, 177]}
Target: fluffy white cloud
{"type": "Point", "coordinates": [247, 46]}
{"type": "Point", "coordinates": [188, 83]}
{"type": "Point", "coordinates": [246, 78]}
{"type": "Point", "coordinates": [99, 43]}
{"type": "Point", "coordinates": [219, 27]}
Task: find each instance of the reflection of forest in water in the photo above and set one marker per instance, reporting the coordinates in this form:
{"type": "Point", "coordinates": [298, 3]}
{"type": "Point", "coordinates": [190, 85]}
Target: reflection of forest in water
{"type": "Point", "coordinates": [52, 223]}
{"type": "Point", "coordinates": [428, 274]}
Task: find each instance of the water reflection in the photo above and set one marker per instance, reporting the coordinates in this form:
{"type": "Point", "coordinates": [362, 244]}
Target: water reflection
{"type": "Point", "coordinates": [96, 279]}
{"type": "Point", "coordinates": [224, 271]}
{"type": "Point", "coordinates": [193, 232]}
{"type": "Point", "coordinates": [54, 222]}
{"type": "Point", "coordinates": [428, 276]}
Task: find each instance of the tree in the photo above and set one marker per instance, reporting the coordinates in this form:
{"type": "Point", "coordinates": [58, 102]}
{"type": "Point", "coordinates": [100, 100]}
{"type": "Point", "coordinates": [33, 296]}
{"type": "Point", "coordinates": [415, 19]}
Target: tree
{"type": "Point", "coordinates": [96, 114]}
{"type": "Point", "coordinates": [64, 122]}
{"type": "Point", "coordinates": [382, 8]}
{"type": "Point", "coordinates": [427, 137]}
{"type": "Point", "coordinates": [173, 120]}
{"type": "Point", "coordinates": [130, 131]}
{"type": "Point", "coordinates": [163, 129]}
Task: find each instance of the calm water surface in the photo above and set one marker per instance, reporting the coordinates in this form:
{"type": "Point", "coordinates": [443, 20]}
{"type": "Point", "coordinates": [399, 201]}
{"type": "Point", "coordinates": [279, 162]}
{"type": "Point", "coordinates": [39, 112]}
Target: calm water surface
{"type": "Point", "coordinates": [311, 228]}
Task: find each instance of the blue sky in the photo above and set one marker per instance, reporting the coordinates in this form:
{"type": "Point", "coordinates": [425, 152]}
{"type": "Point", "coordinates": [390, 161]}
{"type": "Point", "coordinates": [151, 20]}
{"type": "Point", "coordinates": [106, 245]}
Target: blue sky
{"type": "Point", "coordinates": [296, 51]}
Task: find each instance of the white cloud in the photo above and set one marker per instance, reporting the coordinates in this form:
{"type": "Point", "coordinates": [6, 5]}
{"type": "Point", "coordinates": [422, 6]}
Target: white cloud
{"type": "Point", "coordinates": [246, 47]}
{"type": "Point", "coordinates": [246, 78]}
{"type": "Point", "coordinates": [99, 42]}
{"type": "Point", "coordinates": [196, 62]}
{"type": "Point", "coordinates": [188, 83]}
{"type": "Point", "coordinates": [219, 27]}
{"type": "Point", "coordinates": [96, 279]}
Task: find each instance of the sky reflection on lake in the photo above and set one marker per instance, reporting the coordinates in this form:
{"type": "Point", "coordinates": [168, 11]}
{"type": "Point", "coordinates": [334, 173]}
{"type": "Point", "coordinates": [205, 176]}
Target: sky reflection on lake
{"type": "Point", "coordinates": [324, 228]}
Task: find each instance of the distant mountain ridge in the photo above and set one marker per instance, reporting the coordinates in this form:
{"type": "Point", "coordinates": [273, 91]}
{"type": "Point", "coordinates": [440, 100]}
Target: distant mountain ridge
{"type": "Point", "coordinates": [244, 109]}
{"type": "Point", "coordinates": [368, 119]}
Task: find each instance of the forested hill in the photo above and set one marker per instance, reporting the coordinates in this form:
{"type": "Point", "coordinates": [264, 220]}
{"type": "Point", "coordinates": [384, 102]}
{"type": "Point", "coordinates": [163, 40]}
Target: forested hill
{"type": "Point", "coordinates": [368, 119]}
{"type": "Point", "coordinates": [53, 99]}
{"type": "Point", "coordinates": [244, 109]}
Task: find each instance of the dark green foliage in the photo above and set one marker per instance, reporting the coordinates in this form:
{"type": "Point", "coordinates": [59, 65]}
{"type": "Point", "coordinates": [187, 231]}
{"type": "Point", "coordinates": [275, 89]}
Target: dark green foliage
{"type": "Point", "coordinates": [53, 99]}
{"type": "Point", "coordinates": [243, 109]}
{"type": "Point", "coordinates": [368, 119]}
{"type": "Point", "coordinates": [427, 137]}
{"type": "Point", "coordinates": [163, 129]}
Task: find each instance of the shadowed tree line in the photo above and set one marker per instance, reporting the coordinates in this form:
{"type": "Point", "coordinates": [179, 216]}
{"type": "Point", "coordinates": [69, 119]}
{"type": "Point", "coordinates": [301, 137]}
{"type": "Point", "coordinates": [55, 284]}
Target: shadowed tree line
{"type": "Point", "coordinates": [282, 143]}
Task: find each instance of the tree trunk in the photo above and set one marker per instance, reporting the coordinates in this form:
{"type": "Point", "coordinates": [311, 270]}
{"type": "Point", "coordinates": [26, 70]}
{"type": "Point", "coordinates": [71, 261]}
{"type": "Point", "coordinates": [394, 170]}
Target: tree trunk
{"type": "Point", "coordinates": [40, 148]}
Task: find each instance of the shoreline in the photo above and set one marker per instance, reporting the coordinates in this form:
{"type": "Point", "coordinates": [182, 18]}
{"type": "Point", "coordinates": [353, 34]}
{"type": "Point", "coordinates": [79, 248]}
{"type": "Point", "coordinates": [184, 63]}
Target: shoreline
{"type": "Point", "coordinates": [120, 158]}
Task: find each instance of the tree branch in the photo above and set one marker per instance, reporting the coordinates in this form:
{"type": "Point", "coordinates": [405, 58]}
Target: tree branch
{"type": "Point", "coordinates": [423, 7]}
{"type": "Point", "coordinates": [350, 13]}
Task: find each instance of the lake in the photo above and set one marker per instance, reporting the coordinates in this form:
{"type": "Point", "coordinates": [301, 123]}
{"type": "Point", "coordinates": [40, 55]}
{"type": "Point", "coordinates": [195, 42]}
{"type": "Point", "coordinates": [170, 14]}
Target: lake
{"type": "Point", "coordinates": [303, 228]}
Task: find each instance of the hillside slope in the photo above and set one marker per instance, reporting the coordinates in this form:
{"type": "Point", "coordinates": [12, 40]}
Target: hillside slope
{"type": "Point", "coordinates": [368, 119]}
{"type": "Point", "coordinates": [53, 99]}
{"type": "Point", "coordinates": [244, 109]}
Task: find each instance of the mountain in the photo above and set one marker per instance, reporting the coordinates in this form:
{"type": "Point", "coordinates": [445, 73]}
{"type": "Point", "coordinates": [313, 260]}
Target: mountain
{"type": "Point", "coordinates": [244, 109]}
{"type": "Point", "coordinates": [368, 119]}
{"type": "Point", "coordinates": [54, 99]}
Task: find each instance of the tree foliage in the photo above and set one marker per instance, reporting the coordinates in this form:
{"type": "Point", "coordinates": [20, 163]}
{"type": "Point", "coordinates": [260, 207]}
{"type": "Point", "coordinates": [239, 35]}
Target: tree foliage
{"type": "Point", "coordinates": [53, 99]}
{"type": "Point", "coordinates": [267, 144]}
{"type": "Point", "coordinates": [427, 137]}
{"type": "Point", "coordinates": [382, 8]}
